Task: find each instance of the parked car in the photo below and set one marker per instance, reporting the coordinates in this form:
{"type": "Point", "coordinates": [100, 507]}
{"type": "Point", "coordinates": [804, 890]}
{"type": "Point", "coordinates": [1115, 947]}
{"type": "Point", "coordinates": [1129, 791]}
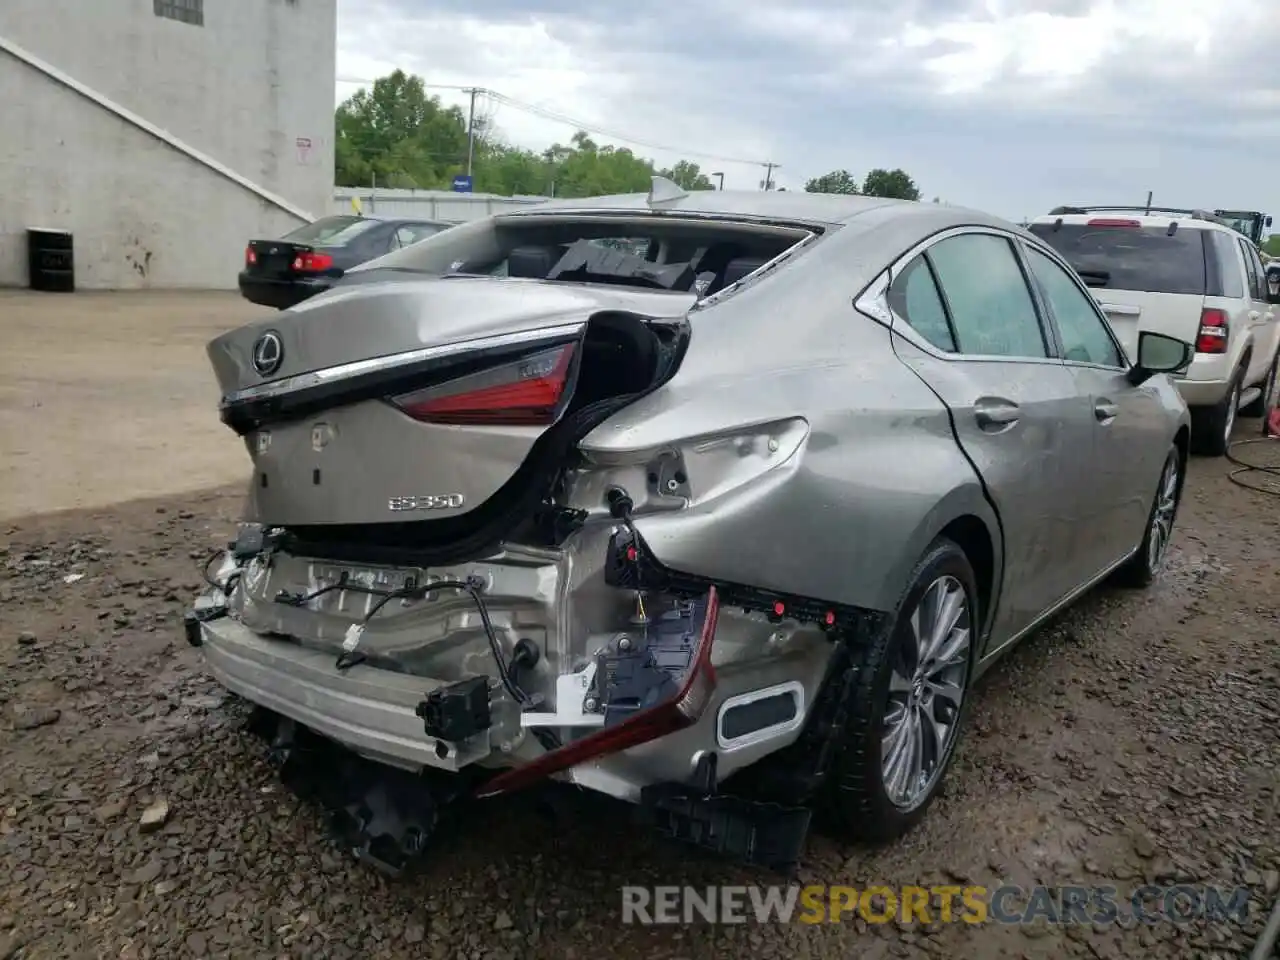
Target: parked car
{"type": "Point", "coordinates": [1189, 275]}
{"type": "Point", "coordinates": [727, 530]}
{"type": "Point", "coordinates": [283, 272]}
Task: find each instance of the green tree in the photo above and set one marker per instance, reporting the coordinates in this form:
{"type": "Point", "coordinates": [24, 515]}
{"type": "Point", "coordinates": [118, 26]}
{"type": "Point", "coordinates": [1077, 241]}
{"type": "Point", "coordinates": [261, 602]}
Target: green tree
{"type": "Point", "coordinates": [688, 175]}
{"type": "Point", "coordinates": [1271, 245]}
{"type": "Point", "coordinates": [396, 135]}
{"type": "Point", "coordinates": [890, 183]}
{"type": "Point", "coordinates": [837, 181]}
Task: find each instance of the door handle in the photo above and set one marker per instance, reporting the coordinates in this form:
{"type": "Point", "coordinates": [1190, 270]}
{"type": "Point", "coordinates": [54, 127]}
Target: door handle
{"type": "Point", "coordinates": [1105, 411]}
{"type": "Point", "coordinates": [993, 414]}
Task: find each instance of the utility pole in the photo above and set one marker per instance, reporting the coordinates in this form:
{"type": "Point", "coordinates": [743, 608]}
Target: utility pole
{"type": "Point", "coordinates": [1149, 195]}
{"type": "Point", "coordinates": [720, 176]}
{"type": "Point", "coordinates": [471, 130]}
{"type": "Point", "coordinates": [768, 174]}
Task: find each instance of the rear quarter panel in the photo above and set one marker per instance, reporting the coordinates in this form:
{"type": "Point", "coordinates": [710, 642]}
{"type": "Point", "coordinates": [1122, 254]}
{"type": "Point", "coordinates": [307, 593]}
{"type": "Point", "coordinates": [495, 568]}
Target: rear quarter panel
{"type": "Point", "coordinates": [846, 516]}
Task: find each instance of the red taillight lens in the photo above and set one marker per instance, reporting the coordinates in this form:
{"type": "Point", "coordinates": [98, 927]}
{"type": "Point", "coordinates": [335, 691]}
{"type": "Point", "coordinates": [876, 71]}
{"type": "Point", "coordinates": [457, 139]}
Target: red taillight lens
{"type": "Point", "coordinates": [1113, 222]}
{"type": "Point", "coordinates": [312, 262]}
{"type": "Point", "coordinates": [1214, 331]}
{"type": "Point", "coordinates": [676, 713]}
{"type": "Point", "coordinates": [250, 258]}
{"type": "Point", "coordinates": [529, 391]}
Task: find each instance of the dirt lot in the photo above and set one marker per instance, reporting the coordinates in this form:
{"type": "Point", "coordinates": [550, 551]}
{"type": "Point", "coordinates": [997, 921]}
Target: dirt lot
{"type": "Point", "coordinates": [110, 396]}
{"type": "Point", "coordinates": [1134, 741]}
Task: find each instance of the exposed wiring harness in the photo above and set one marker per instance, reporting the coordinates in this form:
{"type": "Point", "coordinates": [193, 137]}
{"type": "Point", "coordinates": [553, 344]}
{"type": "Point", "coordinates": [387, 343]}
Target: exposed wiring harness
{"type": "Point", "coordinates": [224, 588]}
{"type": "Point", "coordinates": [471, 586]}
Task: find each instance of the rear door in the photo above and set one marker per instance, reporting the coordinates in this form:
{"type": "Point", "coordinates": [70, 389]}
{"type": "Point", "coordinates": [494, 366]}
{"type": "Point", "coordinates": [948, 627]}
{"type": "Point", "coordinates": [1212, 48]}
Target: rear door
{"type": "Point", "coordinates": [976, 338]}
{"type": "Point", "coordinates": [1145, 277]}
{"type": "Point", "coordinates": [1126, 452]}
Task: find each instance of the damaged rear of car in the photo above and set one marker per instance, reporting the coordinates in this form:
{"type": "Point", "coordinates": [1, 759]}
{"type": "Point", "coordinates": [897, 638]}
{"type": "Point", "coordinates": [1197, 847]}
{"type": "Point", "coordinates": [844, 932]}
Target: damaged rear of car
{"type": "Point", "coordinates": [650, 495]}
{"type": "Point", "coordinates": [437, 571]}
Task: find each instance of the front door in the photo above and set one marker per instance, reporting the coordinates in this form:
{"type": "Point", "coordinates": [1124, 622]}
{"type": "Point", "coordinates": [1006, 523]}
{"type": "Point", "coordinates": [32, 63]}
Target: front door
{"type": "Point", "coordinates": [972, 332]}
{"type": "Point", "coordinates": [1124, 454]}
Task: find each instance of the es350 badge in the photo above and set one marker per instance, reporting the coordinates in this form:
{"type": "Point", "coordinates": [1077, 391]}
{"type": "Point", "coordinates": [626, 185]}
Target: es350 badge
{"type": "Point", "coordinates": [428, 501]}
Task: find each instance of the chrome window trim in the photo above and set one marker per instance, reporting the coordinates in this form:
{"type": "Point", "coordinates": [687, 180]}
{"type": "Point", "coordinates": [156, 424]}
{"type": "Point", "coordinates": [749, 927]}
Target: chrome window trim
{"type": "Point", "coordinates": [768, 265]}
{"type": "Point", "coordinates": [874, 303]}
{"type": "Point", "coordinates": [343, 371]}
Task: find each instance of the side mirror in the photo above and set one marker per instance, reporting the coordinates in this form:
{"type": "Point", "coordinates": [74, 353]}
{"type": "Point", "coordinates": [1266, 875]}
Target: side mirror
{"type": "Point", "coordinates": [1158, 353]}
{"type": "Point", "coordinates": [1273, 285]}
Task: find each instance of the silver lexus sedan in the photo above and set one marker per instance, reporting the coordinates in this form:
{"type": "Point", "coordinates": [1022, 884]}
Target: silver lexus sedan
{"type": "Point", "coordinates": [714, 502]}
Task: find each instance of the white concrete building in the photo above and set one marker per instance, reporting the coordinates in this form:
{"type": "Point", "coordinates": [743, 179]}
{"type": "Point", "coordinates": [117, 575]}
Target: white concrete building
{"type": "Point", "coordinates": [163, 134]}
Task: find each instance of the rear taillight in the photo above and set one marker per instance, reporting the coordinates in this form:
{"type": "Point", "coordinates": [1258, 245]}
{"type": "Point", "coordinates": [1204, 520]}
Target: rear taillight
{"type": "Point", "coordinates": [679, 711]}
{"type": "Point", "coordinates": [1113, 222]}
{"type": "Point", "coordinates": [312, 262]}
{"type": "Point", "coordinates": [250, 258]}
{"type": "Point", "coordinates": [528, 391]}
{"type": "Point", "coordinates": [1214, 331]}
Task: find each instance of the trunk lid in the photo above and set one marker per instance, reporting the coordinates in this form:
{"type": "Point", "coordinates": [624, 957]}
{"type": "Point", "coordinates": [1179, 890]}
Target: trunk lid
{"type": "Point", "coordinates": [282, 260]}
{"type": "Point", "coordinates": [331, 451]}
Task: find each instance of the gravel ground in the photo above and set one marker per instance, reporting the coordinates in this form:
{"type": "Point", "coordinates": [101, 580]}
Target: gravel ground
{"type": "Point", "coordinates": [1135, 740]}
{"type": "Point", "coordinates": [109, 396]}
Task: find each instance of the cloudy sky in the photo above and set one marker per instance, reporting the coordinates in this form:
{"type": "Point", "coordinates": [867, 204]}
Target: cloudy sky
{"type": "Point", "coordinates": [1012, 106]}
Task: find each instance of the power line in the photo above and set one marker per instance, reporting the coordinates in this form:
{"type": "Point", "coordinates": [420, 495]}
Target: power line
{"type": "Point", "coordinates": [557, 117]}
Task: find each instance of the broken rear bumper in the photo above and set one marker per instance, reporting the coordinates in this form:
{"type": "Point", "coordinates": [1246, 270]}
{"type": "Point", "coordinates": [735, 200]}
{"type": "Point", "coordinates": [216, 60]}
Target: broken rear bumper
{"type": "Point", "coordinates": [370, 711]}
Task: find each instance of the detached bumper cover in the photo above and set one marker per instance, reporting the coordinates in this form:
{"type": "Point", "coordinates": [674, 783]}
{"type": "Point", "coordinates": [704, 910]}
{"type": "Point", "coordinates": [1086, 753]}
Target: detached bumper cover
{"type": "Point", "coordinates": [371, 711]}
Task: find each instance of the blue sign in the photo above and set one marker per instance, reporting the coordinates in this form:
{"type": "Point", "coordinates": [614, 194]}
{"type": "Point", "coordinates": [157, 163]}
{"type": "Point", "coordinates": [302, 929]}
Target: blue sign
{"type": "Point", "coordinates": [462, 183]}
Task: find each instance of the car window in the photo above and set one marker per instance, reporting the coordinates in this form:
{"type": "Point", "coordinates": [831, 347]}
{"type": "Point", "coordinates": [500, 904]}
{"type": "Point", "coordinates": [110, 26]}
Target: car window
{"type": "Point", "coordinates": [1120, 254]}
{"type": "Point", "coordinates": [408, 233]}
{"type": "Point", "coordinates": [990, 304]}
{"type": "Point", "coordinates": [913, 296]}
{"type": "Point", "coordinates": [330, 231]}
{"type": "Point", "coordinates": [1085, 338]}
{"type": "Point", "coordinates": [1253, 271]}
{"type": "Point", "coordinates": [1227, 254]}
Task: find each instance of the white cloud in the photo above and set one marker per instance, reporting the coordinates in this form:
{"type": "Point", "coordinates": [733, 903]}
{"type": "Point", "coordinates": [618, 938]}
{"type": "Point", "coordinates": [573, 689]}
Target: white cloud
{"type": "Point", "coordinates": [1009, 105]}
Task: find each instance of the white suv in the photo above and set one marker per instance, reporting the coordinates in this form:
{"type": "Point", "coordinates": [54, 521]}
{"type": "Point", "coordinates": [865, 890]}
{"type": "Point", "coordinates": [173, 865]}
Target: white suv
{"type": "Point", "coordinates": [1188, 275]}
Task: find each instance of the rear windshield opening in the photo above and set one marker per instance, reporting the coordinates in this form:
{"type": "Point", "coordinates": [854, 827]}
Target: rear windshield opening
{"type": "Point", "coordinates": [1145, 259]}
{"type": "Point", "coordinates": [642, 250]}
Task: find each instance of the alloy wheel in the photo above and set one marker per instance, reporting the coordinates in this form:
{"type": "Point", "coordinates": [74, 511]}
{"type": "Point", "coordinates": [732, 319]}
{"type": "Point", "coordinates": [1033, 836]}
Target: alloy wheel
{"type": "Point", "coordinates": [1162, 515]}
{"type": "Point", "coordinates": [926, 690]}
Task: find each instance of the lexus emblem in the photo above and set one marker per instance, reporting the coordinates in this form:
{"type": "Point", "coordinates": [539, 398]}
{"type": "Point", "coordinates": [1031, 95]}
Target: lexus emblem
{"type": "Point", "coordinates": [268, 353]}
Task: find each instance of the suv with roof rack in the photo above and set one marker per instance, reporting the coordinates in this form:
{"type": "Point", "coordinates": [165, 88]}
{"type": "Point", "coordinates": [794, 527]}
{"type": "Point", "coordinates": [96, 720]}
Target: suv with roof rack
{"type": "Point", "coordinates": [1186, 274]}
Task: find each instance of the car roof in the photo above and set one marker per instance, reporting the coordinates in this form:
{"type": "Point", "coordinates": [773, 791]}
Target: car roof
{"type": "Point", "coordinates": [1186, 220]}
{"type": "Point", "coordinates": [380, 219]}
{"type": "Point", "coordinates": [818, 208]}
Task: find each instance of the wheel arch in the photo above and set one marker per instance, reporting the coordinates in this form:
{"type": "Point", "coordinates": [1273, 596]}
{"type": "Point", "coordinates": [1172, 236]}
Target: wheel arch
{"type": "Point", "coordinates": [971, 535]}
{"type": "Point", "coordinates": [965, 517]}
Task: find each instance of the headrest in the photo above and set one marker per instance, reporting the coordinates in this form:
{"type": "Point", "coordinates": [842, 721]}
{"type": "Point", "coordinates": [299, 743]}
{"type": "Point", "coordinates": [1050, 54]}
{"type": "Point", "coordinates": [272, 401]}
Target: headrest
{"type": "Point", "coordinates": [531, 262]}
{"type": "Point", "coordinates": [739, 268]}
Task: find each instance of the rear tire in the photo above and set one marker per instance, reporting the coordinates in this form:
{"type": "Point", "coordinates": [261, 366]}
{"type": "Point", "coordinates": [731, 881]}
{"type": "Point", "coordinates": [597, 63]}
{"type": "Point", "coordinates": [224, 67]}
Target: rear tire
{"type": "Point", "coordinates": [1145, 565]}
{"type": "Point", "coordinates": [1211, 427]}
{"type": "Point", "coordinates": [1261, 406]}
{"type": "Point", "coordinates": [903, 701]}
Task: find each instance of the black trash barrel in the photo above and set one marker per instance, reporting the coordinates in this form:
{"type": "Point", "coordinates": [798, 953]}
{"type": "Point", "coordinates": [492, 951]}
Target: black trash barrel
{"type": "Point", "coordinates": [51, 260]}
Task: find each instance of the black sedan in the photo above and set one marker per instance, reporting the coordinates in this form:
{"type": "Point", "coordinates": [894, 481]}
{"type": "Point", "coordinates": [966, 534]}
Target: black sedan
{"type": "Point", "coordinates": [281, 273]}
